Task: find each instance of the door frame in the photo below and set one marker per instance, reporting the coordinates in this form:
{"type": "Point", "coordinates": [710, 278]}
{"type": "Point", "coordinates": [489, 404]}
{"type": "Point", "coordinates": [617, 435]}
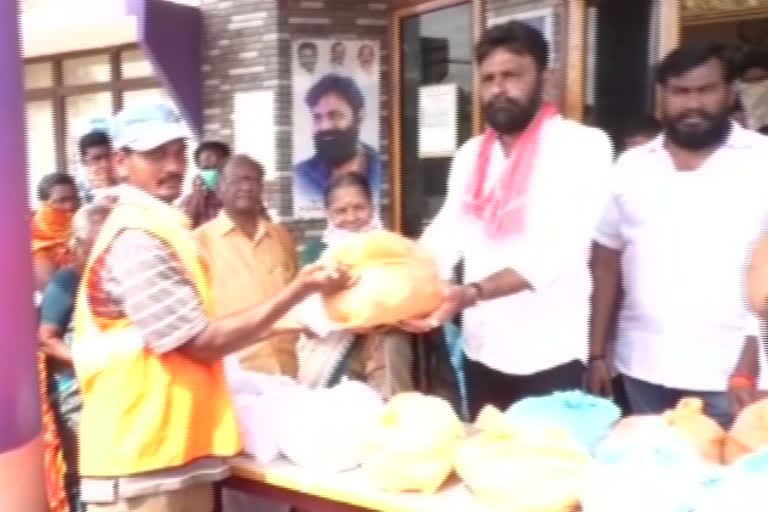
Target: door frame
{"type": "Point", "coordinates": [396, 91]}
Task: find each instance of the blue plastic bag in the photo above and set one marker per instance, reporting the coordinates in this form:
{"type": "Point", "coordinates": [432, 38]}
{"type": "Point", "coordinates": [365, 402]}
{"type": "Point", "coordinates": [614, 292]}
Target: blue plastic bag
{"type": "Point", "coordinates": [586, 417]}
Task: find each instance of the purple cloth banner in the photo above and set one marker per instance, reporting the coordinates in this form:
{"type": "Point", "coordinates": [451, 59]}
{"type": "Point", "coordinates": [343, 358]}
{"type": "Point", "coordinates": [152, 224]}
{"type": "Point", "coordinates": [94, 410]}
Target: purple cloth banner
{"type": "Point", "coordinates": [171, 36]}
{"type": "Point", "coordinates": [19, 394]}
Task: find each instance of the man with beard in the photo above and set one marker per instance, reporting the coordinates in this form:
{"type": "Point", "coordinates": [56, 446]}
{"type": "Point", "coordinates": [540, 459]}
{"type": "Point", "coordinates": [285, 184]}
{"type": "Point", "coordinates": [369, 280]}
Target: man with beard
{"type": "Point", "coordinates": [675, 238]}
{"type": "Point", "coordinates": [523, 201]}
{"type": "Point", "coordinates": [336, 104]}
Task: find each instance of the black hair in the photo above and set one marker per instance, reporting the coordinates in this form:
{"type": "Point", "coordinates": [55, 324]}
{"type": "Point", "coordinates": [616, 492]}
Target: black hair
{"type": "Point", "coordinates": [94, 139]}
{"type": "Point", "coordinates": [763, 129]}
{"type": "Point", "coordinates": [212, 145]}
{"type": "Point", "coordinates": [644, 125]}
{"type": "Point", "coordinates": [692, 55]}
{"type": "Point", "coordinates": [307, 44]}
{"type": "Point", "coordinates": [343, 86]}
{"type": "Point", "coordinates": [754, 59]}
{"type": "Point", "coordinates": [348, 179]}
{"type": "Point", "coordinates": [517, 37]}
{"type": "Point", "coordinates": [49, 181]}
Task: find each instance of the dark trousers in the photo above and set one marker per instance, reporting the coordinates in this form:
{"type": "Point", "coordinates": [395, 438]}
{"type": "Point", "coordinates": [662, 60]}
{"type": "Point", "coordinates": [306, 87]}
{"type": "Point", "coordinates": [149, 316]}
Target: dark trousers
{"type": "Point", "coordinates": [648, 398]}
{"type": "Point", "coordinates": [488, 386]}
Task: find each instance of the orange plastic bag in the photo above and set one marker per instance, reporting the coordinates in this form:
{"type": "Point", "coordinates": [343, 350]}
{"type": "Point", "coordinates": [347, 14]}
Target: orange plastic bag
{"type": "Point", "coordinates": [749, 432]}
{"type": "Point", "coordinates": [706, 434]}
{"type": "Point", "coordinates": [398, 280]}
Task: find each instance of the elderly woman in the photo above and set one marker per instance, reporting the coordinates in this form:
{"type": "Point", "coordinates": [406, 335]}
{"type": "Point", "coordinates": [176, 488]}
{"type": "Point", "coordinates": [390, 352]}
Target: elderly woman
{"type": "Point", "coordinates": [63, 401]}
{"type": "Point", "coordinates": [381, 358]}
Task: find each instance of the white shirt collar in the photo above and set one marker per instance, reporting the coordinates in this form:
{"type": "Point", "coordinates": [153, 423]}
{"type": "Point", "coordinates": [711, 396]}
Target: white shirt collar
{"type": "Point", "coordinates": [739, 138]}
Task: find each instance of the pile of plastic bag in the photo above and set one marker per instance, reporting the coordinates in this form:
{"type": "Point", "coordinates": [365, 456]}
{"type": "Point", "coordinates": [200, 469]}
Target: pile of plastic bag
{"type": "Point", "coordinates": [413, 445]}
{"type": "Point", "coordinates": [585, 417]}
{"type": "Point", "coordinates": [523, 469]}
{"type": "Point", "coordinates": [645, 465]}
{"type": "Point", "coordinates": [326, 429]}
{"type": "Point", "coordinates": [544, 454]}
{"type": "Point", "coordinates": [397, 280]}
{"type": "Point", "coordinates": [323, 429]}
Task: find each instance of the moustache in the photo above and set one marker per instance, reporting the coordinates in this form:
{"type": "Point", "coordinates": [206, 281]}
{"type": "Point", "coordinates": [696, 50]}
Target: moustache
{"type": "Point", "coordinates": [504, 102]}
{"type": "Point", "coordinates": [695, 114]}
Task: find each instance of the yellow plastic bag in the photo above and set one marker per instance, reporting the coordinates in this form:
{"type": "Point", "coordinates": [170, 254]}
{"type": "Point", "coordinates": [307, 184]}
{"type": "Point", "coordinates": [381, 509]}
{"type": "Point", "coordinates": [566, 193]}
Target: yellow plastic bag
{"type": "Point", "coordinates": [706, 434]}
{"type": "Point", "coordinates": [749, 432]}
{"type": "Point", "coordinates": [398, 280]}
{"type": "Point", "coordinates": [513, 469]}
{"type": "Point", "coordinates": [414, 444]}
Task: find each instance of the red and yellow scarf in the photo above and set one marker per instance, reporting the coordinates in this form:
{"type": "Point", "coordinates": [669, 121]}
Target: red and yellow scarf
{"type": "Point", "coordinates": [51, 232]}
{"type": "Point", "coordinates": [501, 207]}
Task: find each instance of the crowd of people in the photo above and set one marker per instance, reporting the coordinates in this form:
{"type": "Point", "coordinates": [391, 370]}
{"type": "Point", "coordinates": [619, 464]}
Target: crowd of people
{"type": "Point", "coordinates": [629, 276]}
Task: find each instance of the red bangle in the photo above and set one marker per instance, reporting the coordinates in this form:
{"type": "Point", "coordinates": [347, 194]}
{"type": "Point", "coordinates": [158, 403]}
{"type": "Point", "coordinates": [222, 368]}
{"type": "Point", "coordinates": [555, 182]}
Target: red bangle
{"type": "Point", "coordinates": [741, 380]}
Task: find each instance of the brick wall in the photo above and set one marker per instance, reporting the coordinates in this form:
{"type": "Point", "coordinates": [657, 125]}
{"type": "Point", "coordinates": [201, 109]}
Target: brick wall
{"type": "Point", "coordinates": [239, 54]}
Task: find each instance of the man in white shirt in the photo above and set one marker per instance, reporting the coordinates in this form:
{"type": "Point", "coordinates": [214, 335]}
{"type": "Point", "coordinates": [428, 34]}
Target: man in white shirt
{"type": "Point", "coordinates": [675, 237]}
{"type": "Point", "coordinates": [523, 200]}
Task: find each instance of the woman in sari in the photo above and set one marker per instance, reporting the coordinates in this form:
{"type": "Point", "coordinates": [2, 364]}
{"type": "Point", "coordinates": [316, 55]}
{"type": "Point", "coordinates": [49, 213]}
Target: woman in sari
{"type": "Point", "coordinates": [62, 403]}
{"type": "Point", "coordinates": [382, 357]}
{"type": "Point", "coordinates": [52, 226]}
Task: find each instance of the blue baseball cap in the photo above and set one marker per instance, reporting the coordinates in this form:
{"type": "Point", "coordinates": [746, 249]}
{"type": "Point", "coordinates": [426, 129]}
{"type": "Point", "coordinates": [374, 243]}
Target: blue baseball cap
{"type": "Point", "coordinates": [145, 126]}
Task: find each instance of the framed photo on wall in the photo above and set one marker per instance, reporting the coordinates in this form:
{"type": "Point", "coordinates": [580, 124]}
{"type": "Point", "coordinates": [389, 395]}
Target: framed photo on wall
{"type": "Point", "coordinates": [335, 117]}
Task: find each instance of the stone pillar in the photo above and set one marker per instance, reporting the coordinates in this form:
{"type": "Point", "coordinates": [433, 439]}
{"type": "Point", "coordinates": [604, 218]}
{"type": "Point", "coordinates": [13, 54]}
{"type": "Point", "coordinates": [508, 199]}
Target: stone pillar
{"type": "Point", "coordinates": [21, 463]}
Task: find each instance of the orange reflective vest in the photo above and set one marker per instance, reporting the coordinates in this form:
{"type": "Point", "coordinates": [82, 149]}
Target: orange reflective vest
{"type": "Point", "coordinates": [142, 411]}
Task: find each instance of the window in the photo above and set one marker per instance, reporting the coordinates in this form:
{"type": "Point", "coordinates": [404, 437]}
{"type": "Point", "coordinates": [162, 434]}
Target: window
{"type": "Point", "coordinates": [64, 93]}
{"type": "Point", "coordinates": [41, 147]}
{"type": "Point", "coordinates": [87, 70]}
{"type": "Point", "coordinates": [134, 64]}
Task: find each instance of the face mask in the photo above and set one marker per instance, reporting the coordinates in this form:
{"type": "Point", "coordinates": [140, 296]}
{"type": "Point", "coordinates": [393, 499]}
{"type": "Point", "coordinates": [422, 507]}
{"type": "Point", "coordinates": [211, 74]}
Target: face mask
{"type": "Point", "coordinates": [754, 97]}
{"type": "Point", "coordinates": [210, 178]}
{"type": "Point", "coordinates": [336, 147]}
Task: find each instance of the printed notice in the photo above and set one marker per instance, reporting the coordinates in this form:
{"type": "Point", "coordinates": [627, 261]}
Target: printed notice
{"type": "Point", "coordinates": [438, 120]}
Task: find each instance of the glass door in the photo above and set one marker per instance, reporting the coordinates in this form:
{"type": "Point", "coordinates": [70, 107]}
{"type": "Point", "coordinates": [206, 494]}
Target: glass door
{"type": "Point", "coordinates": [433, 108]}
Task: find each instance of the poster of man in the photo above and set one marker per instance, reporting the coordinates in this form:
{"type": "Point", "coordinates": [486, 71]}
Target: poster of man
{"type": "Point", "coordinates": [335, 118]}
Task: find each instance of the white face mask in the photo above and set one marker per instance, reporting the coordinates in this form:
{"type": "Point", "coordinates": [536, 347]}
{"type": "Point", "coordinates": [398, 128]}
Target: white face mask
{"type": "Point", "coordinates": [334, 236]}
{"type": "Point", "coordinates": [754, 97]}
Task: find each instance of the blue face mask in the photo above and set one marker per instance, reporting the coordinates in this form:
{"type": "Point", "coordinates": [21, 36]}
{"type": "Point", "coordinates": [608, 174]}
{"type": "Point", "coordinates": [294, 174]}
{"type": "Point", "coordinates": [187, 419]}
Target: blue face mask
{"type": "Point", "coordinates": [210, 178]}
